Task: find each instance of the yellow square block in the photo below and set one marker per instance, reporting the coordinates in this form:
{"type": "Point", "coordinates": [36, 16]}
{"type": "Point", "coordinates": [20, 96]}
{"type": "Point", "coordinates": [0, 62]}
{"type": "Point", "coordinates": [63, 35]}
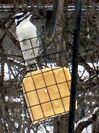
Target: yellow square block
{"type": "Point", "coordinates": [47, 92]}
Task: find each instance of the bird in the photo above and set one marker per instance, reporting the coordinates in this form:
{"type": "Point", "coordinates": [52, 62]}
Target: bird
{"type": "Point", "coordinates": [26, 33]}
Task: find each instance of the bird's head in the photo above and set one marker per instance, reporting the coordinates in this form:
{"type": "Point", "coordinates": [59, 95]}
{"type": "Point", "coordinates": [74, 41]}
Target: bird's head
{"type": "Point", "coordinates": [21, 16]}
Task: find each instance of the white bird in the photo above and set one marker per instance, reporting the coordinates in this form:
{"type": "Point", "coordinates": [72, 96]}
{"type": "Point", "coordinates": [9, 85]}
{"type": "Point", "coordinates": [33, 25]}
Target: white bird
{"type": "Point", "coordinates": [27, 35]}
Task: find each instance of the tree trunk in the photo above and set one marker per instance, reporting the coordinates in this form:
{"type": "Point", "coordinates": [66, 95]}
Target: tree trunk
{"type": "Point", "coordinates": [60, 47]}
{"type": "Point", "coordinates": [60, 124]}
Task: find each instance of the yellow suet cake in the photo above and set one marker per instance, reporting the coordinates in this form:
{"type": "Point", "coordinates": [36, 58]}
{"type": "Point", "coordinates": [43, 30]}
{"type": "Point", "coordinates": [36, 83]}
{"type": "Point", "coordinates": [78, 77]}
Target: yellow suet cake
{"type": "Point", "coordinates": [47, 92]}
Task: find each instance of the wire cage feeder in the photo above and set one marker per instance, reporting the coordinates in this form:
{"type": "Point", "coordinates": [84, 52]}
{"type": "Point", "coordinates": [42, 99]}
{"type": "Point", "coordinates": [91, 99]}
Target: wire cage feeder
{"type": "Point", "coordinates": [46, 90]}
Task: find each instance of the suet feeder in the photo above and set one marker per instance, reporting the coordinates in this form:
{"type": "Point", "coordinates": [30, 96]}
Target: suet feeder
{"type": "Point", "coordinates": [47, 92]}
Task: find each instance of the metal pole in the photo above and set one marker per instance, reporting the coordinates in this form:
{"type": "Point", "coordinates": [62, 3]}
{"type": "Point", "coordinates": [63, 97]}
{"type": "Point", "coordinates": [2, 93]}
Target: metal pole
{"type": "Point", "coordinates": [75, 51]}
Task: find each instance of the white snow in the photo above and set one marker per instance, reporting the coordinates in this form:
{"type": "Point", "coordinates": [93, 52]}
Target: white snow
{"type": "Point", "coordinates": [41, 129]}
{"type": "Point", "coordinates": [88, 129]}
{"type": "Point", "coordinates": [83, 73]}
{"type": "Point", "coordinates": [81, 70]}
{"type": "Point", "coordinates": [7, 72]}
{"type": "Point", "coordinates": [96, 109]}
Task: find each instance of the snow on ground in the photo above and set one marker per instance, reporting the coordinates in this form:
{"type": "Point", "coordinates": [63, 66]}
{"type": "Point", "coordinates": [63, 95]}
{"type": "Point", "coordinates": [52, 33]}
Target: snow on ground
{"type": "Point", "coordinates": [85, 130]}
{"type": "Point", "coordinates": [6, 72]}
{"type": "Point", "coordinates": [81, 70]}
{"type": "Point", "coordinates": [88, 129]}
{"type": "Point", "coordinates": [50, 130]}
{"type": "Point", "coordinates": [83, 73]}
{"type": "Point", "coordinates": [41, 129]}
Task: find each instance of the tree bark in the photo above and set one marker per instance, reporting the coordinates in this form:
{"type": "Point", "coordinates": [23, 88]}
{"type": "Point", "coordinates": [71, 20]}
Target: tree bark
{"type": "Point", "coordinates": [61, 123]}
